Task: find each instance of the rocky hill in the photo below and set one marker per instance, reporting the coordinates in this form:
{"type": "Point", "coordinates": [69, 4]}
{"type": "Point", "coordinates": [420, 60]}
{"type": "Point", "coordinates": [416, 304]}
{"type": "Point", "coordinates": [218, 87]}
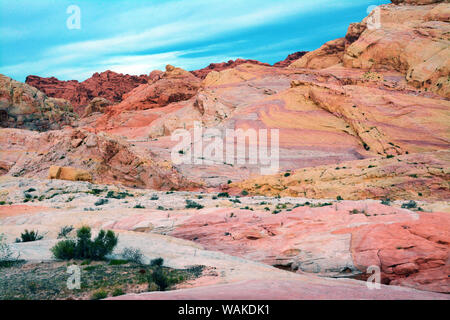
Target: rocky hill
{"type": "Point", "coordinates": [109, 85]}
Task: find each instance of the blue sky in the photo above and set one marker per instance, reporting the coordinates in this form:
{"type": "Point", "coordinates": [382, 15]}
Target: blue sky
{"type": "Point", "coordinates": [138, 36]}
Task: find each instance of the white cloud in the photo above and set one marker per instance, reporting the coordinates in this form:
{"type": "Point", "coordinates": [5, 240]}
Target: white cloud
{"type": "Point", "coordinates": [156, 27]}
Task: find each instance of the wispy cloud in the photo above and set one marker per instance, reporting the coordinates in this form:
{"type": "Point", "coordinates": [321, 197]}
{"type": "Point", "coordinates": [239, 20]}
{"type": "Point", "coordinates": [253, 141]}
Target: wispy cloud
{"type": "Point", "coordinates": [137, 37]}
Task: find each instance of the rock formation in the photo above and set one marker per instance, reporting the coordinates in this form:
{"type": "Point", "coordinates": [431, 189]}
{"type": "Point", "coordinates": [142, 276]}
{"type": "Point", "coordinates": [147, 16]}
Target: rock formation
{"type": "Point", "coordinates": [414, 176]}
{"type": "Point", "coordinates": [411, 38]}
{"type": "Point", "coordinates": [290, 58]}
{"type": "Point", "coordinates": [202, 73]}
{"type": "Point", "coordinates": [108, 85]}
{"type": "Point", "coordinates": [22, 106]}
{"type": "Point", "coordinates": [96, 105]}
{"type": "Point", "coordinates": [69, 173]}
{"type": "Point", "coordinates": [107, 159]}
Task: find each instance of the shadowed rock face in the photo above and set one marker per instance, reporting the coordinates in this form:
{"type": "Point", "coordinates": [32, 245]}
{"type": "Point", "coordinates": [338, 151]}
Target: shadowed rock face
{"type": "Point", "coordinates": [108, 85]}
{"type": "Point", "coordinates": [107, 159]}
{"type": "Point", "coordinates": [290, 58]}
{"type": "Point", "coordinates": [22, 106]}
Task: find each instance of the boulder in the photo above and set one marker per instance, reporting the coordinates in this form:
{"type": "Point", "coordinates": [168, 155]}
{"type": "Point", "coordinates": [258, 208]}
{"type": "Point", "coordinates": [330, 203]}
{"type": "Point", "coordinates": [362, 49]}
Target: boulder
{"type": "Point", "coordinates": [69, 173]}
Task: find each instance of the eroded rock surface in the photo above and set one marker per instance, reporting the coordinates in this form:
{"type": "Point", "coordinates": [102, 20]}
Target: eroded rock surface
{"type": "Point", "coordinates": [22, 106]}
{"type": "Point", "coordinates": [109, 85]}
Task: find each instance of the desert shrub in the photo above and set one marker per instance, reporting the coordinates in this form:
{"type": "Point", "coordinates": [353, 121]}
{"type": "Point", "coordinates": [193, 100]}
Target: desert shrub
{"type": "Point", "coordinates": [29, 236]}
{"type": "Point", "coordinates": [118, 292]}
{"type": "Point", "coordinates": [100, 294]}
{"type": "Point", "coordinates": [386, 202]}
{"type": "Point", "coordinates": [7, 257]}
{"type": "Point", "coordinates": [223, 195]}
{"type": "Point", "coordinates": [154, 197]}
{"type": "Point", "coordinates": [118, 195]}
{"type": "Point", "coordinates": [244, 193]}
{"type": "Point", "coordinates": [64, 232]}
{"type": "Point", "coordinates": [95, 191]}
{"type": "Point", "coordinates": [339, 198]}
{"type": "Point", "coordinates": [287, 174]}
{"type": "Point", "coordinates": [161, 280]}
{"type": "Point", "coordinates": [64, 250]}
{"type": "Point", "coordinates": [139, 206]}
{"type": "Point", "coordinates": [158, 262]}
{"type": "Point", "coordinates": [193, 205]}
{"type": "Point", "coordinates": [133, 255]}
{"type": "Point", "coordinates": [101, 202]}
{"type": "Point", "coordinates": [85, 248]}
{"type": "Point", "coordinates": [410, 205]}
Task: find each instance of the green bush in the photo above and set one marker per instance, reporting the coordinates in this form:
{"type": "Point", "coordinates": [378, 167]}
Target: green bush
{"type": "Point", "coordinates": [101, 202]}
{"type": "Point", "coordinates": [118, 292]}
{"type": "Point", "coordinates": [157, 262]}
{"type": "Point", "coordinates": [118, 195]}
{"type": "Point", "coordinates": [410, 205]}
{"type": "Point", "coordinates": [100, 294]}
{"type": "Point", "coordinates": [223, 195]}
{"type": "Point", "coordinates": [117, 262]}
{"type": "Point", "coordinates": [64, 250]}
{"type": "Point", "coordinates": [244, 193]}
{"type": "Point", "coordinates": [160, 279]}
{"type": "Point", "coordinates": [154, 197]}
{"type": "Point", "coordinates": [29, 236]}
{"type": "Point", "coordinates": [193, 205]}
{"type": "Point", "coordinates": [85, 248]}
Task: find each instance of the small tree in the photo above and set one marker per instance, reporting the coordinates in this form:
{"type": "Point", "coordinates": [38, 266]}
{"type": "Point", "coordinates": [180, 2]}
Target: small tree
{"type": "Point", "coordinates": [85, 248]}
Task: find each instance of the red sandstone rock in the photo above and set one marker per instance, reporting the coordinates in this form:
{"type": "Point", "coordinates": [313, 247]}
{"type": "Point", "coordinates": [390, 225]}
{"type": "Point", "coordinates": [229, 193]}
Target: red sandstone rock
{"type": "Point", "coordinates": [290, 58]}
{"type": "Point", "coordinates": [202, 73]}
{"type": "Point", "coordinates": [23, 106]}
{"type": "Point", "coordinates": [107, 159]}
{"type": "Point", "coordinates": [108, 85]}
{"type": "Point", "coordinates": [412, 249]}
